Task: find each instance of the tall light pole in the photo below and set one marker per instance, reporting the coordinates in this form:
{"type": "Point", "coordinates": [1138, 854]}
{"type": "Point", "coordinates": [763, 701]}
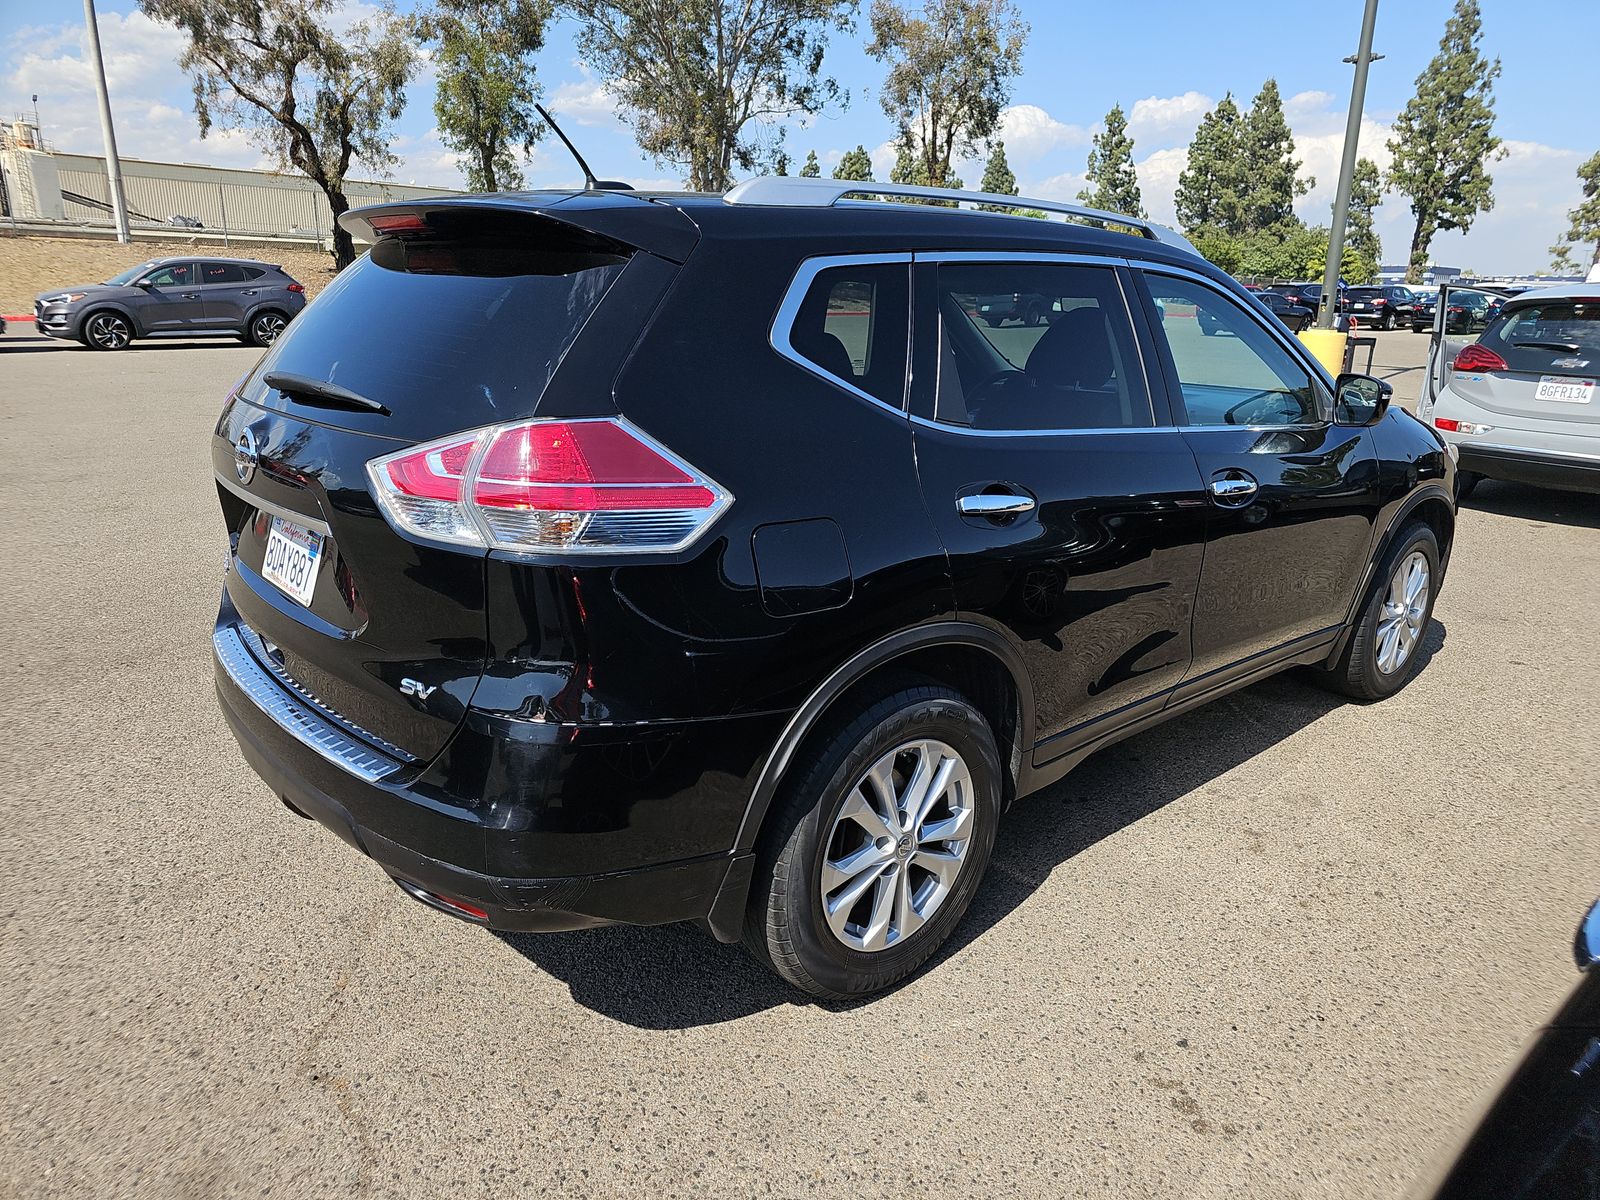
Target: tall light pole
{"type": "Point", "coordinates": [1347, 170]}
{"type": "Point", "coordinates": [119, 207]}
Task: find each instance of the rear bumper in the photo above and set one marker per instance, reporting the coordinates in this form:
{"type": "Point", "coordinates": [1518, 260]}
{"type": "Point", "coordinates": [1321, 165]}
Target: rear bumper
{"type": "Point", "coordinates": [1538, 468]}
{"type": "Point", "coordinates": [525, 806]}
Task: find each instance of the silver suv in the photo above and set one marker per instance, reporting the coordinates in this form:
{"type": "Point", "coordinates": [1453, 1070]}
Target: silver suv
{"type": "Point", "coordinates": [1519, 403]}
{"type": "Point", "coordinates": [166, 297]}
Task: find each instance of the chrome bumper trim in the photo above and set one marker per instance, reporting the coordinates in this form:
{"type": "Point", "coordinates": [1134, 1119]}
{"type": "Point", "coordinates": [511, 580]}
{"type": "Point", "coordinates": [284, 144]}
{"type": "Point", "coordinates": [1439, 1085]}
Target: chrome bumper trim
{"type": "Point", "coordinates": [294, 716]}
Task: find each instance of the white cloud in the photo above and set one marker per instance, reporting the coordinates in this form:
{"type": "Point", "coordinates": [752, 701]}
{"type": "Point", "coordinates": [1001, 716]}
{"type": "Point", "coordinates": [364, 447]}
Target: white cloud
{"type": "Point", "coordinates": [1029, 132]}
{"type": "Point", "coordinates": [1158, 180]}
{"type": "Point", "coordinates": [1168, 118]}
{"type": "Point", "coordinates": [586, 101]}
{"type": "Point", "coordinates": [1307, 103]}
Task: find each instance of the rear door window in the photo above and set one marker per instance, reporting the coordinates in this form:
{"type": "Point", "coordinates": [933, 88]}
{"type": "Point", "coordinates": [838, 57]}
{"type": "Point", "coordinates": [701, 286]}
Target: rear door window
{"type": "Point", "coordinates": [215, 272]}
{"type": "Point", "coordinates": [1078, 368]}
{"type": "Point", "coordinates": [446, 334]}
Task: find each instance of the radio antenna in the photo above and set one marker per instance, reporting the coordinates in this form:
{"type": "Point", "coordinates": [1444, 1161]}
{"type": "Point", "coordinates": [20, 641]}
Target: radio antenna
{"type": "Point", "coordinates": [589, 181]}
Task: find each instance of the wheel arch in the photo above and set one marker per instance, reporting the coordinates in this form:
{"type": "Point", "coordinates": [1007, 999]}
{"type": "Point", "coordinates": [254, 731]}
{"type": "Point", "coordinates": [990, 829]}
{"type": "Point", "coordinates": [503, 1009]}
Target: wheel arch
{"type": "Point", "coordinates": [978, 661]}
{"type": "Point", "coordinates": [975, 659]}
{"type": "Point", "coordinates": [101, 306]}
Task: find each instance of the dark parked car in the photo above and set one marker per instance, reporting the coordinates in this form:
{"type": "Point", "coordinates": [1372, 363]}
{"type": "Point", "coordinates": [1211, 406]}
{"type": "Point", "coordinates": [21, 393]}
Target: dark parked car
{"type": "Point", "coordinates": [1294, 316]}
{"type": "Point", "coordinates": [1385, 307]}
{"type": "Point", "coordinates": [704, 558]}
{"type": "Point", "coordinates": [1541, 1136]}
{"type": "Point", "coordinates": [1468, 311]}
{"type": "Point", "coordinates": [174, 297]}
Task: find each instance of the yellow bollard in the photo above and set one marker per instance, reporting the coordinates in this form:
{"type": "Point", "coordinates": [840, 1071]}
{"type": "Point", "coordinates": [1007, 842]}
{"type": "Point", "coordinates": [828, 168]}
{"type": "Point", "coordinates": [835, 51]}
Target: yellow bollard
{"type": "Point", "coordinates": [1326, 346]}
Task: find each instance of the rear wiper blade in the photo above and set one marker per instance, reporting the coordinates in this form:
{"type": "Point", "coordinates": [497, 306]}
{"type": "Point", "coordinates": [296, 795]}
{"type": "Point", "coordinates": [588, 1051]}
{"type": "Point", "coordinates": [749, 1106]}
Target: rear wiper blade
{"type": "Point", "coordinates": [1569, 347]}
{"type": "Point", "coordinates": [319, 391]}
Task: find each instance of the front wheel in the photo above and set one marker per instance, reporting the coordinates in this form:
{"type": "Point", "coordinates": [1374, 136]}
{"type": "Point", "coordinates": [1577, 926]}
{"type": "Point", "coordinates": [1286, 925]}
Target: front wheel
{"type": "Point", "coordinates": [878, 844]}
{"type": "Point", "coordinates": [1383, 653]}
{"type": "Point", "coordinates": [107, 331]}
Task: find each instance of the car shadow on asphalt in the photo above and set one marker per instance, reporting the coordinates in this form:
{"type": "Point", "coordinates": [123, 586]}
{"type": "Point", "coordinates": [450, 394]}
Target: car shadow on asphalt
{"type": "Point", "coordinates": [1580, 510]}
{"type": "Point", "coordinates": [678, 977]}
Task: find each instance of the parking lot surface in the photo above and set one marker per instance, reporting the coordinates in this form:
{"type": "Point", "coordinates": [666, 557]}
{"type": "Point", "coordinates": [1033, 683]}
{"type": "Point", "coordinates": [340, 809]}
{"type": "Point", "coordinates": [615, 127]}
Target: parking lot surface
{"type": "Point", "coordinates": [1282, 946]}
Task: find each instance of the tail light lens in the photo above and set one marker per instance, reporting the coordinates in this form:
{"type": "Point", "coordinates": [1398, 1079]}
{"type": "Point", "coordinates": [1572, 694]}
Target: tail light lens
{"type": "Point", "coordinates": [1451, 425]}
{"type": "Point", "coordinates": [296, 287]}
{"type": "Point", "coordinates": [548, 487]}
{"type": "Point", "coordinates": [1478, 358]}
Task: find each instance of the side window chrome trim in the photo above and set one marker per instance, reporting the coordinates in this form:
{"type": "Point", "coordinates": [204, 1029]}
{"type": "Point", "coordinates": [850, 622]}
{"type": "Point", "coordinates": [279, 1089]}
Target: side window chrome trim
{"type": "Point", "coordinates": [789, 309]}
{"type": "Point", "coordinates": [968, 431]}
{"type": "Point", "coordinates": [1296, 348]}
{"type": "Point", "coordinates": [1047, 257]}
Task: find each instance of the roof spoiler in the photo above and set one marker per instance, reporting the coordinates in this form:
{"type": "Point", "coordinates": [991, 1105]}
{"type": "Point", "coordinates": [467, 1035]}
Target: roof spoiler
{"type": "Point", "coordinates": [658, 229]}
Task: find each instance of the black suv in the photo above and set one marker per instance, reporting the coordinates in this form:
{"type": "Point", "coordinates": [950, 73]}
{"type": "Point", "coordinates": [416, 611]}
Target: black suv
{"type": "Point", "coordinates": [1384, 307]}
{"type": "Point", "coordinates": [625, 557]}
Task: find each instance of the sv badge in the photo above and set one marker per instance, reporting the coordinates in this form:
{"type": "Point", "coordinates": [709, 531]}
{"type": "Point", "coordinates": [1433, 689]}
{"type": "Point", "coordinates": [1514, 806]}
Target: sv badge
{"type": "Point", "coordinates": [411, 687]}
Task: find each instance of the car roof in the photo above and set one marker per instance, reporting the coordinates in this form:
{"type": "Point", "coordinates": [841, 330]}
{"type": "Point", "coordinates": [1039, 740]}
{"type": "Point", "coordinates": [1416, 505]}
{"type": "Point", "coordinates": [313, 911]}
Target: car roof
{"type": "Point", "coordinates": [180, 258]}
{"type": "Point", "coordinates": [1561, 291]}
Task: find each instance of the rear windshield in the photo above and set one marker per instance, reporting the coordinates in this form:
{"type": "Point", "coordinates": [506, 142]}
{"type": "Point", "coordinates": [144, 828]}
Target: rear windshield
{"type": "Point", "coordinates": [1364, 293]}
{"type": "Point", "coordinates": [445, 334]}
{"type": "Point", "coordinates": [1538, 337]}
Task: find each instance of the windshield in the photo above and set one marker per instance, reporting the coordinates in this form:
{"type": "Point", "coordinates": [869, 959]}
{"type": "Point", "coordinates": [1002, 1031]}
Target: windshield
{"type": "Point", "coordinates": [1535, 337]}
{"type": "Point", "coordinates": [130, 274]}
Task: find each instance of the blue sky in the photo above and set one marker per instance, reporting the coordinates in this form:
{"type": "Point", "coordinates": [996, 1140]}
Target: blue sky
{"type": "Point", "coordinates": [1165, 62]}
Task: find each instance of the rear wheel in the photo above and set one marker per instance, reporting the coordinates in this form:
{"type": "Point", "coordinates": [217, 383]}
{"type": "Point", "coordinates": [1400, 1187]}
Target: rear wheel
{"type": "Point", "coordinates": [1384, 652]}
{"type": "Point", "coordinates": [1033, 316]}
{"type": "Point", "coordinates": [878, 844]}
{"type": "Point", "coordinates": [265, 328]}
{"type": "Point", "coordinates": [107, 331]}
{"type": "Point", "coordinates": [993, 322]}
{"type": "Point", "coordinates": [1388, 322]}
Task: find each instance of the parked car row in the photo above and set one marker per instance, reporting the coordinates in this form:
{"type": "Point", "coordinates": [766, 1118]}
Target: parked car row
{"type": "Point", "coordinates": [174, 297]}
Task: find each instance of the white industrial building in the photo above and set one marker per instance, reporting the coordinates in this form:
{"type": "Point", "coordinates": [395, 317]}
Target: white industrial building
{"type": "Point", "coordinates": [45, 187]}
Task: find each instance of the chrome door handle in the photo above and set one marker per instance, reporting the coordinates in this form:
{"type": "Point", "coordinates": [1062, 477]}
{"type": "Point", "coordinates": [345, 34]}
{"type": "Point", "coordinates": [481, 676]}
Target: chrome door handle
{"type": "Point", "coordinates": [990, 504]}
{"type": "Point", "coordinates": [249, 291]}
{"type": "Point", "coordinates": [190, 295]}
{"type": "Point", "coordinates": [1233, 487]}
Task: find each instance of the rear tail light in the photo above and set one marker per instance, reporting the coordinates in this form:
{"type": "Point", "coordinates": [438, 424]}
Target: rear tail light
{"type": "Point", "coordinates": [1379, 303]}
{"type": "Point", "coordinates": [296, 287]}
{"type": "Point", "coordinates": [400, 223]}
{"type": "Point", "coordinates": [593, 486]}
{"type": "Point", "coordinates": [1450, 425]}
{"type": "Point", "coordinates": [1478, 358]}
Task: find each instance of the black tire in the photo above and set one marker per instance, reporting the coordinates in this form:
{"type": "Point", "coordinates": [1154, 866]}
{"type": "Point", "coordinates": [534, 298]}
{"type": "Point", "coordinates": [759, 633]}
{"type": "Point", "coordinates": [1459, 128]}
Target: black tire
{"type": "Point", "coordinates": [1388, 322]}
{"type": "Point", "coordinates": [106, 329]}
{"type": "Point", "coordinates": [266, 327]}
{"type": "Point", "coordinates": [1032, 316]}
{"type": "Point", "coordinates": [1466, 481]}
{"type": "Point", "coordinates": [1207, 329]}
{"type": "Point", "coordinates": [1356, 674]}
{"type": "Point", "coordinates": [994, 322]}
{"type": "Point", "coordinates": [785, 925]}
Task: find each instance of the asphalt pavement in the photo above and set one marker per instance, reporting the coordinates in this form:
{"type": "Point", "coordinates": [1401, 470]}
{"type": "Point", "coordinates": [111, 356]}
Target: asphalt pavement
{"type": "Point", "coordinates": [1282, 946]}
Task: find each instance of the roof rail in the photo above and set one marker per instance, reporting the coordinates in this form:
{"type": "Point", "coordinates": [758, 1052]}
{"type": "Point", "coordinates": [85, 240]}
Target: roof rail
{"type": "Point", "coordinates": [793, 191]}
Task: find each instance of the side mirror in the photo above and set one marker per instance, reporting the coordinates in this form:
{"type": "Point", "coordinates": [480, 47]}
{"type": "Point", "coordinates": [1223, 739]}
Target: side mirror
{"type": "Point", "coordinates": [145, 284]}
{"type": "Point", "coordinates": [1360, 400]}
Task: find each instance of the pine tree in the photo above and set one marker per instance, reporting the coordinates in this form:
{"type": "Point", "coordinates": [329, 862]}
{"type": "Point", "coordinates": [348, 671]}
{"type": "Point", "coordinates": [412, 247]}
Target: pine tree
{"type": "Point", "coordinates": [812, 169]}
{"type": "Point", "coordinates": [1366, 192]}
{"type": "Point", "coordinates": [1586, 217]}
{"type": "Point", "coordinates": [1561, 260]}
{"type": "Point", "coordinates": [1112, 183]}
{"type": "Point", "coordinates": [780, 164]}
{"type": "Point", "coordinates": [856, 164]}
{"type": "Point", "coordinates": [1445, 137]}
{"type": "Point", "coordinates": [1211, 187]}
{"type": "Point", "coordinates": [997, 177]}
{"type": "Point", "coordinates": [1271, 174]}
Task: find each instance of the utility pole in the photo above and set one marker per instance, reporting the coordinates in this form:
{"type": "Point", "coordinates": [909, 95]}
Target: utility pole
{"type": "Point", "coordinates": [1347, 170]}
{"type": "Point", "coordinates": [119, 206]}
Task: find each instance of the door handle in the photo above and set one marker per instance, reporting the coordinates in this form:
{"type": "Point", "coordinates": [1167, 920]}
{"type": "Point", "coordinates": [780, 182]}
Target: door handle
{"type": "Point", "coordinates": [189, 295]}
{"type": "Point", "coordinates": [249, 291]}
{"type": "Point", "coordinates": [994, 504]}
{"type": "Point", "coordinates": [1233, 487]}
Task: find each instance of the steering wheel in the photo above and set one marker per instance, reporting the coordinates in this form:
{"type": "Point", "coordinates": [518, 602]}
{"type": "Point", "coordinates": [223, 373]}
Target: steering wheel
{"type": "Point", "coordinates": [1266, 398]}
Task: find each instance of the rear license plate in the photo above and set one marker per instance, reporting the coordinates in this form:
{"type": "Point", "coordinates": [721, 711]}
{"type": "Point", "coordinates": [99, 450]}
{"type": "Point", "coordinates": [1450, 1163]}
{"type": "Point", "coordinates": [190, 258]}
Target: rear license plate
{"type": "Point", "coordinates": [291, 559]}
{"type": "Point", "coordinates": [1564, 389]}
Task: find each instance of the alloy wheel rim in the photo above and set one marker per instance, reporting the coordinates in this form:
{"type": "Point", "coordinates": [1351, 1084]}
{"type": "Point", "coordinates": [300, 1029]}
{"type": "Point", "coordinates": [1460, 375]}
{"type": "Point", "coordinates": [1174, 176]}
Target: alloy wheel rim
{"type": "Point", "coordinates": [1405, 609]}
{"type": "Point", "coordinates": [109, 332]}
{"type": "Point", "coordinates": [268, 328]}
{"type": "Point", "coordinates": [897, 845]}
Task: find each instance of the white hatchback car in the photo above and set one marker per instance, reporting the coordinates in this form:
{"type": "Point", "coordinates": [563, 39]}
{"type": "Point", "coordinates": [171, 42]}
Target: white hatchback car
{"type": "Point", "coordinates": [1519, 403]}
